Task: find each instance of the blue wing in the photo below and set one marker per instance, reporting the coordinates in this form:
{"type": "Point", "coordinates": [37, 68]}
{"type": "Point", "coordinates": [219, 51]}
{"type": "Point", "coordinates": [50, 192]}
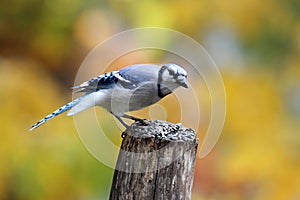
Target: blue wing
{"type": "Point", "coordinates": [104, 81]}
{"type": "Point", "coordinates": [129, 77]}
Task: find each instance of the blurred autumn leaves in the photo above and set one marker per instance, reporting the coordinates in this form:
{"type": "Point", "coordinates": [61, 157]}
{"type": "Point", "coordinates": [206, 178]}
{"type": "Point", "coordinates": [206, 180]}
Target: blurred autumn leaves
{"type": "Point", "coordinates": [256, 45]}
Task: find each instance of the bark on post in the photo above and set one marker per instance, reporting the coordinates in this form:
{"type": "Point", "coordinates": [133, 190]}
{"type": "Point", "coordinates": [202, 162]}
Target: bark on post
{"type": "Point", "coordinates": [156, 161]}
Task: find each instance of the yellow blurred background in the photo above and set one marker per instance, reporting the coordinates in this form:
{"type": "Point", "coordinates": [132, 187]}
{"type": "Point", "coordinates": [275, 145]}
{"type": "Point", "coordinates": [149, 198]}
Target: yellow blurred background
{"type": "Point", "coordinates": [256, 45]}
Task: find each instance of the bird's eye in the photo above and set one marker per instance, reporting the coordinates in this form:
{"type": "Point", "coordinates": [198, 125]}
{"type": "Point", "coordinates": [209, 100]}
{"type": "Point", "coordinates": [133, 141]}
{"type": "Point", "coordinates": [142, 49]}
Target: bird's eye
{"type": "Point", "coordinates": [184, 75]}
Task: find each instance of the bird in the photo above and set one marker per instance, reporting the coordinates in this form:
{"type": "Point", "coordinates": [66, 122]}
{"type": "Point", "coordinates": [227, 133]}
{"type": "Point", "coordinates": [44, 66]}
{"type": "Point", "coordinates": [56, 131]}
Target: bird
{"type": "Point", "coordinates": [131, 88]}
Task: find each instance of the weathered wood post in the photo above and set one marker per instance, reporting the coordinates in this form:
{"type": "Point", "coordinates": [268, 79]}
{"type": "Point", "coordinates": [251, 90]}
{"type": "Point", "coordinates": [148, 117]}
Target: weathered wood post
{"type": "Point", "coordinates": [156, 161]}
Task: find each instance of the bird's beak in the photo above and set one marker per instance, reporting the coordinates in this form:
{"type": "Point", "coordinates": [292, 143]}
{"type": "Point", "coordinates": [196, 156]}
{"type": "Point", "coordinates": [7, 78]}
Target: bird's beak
{"type": "Point", "coordinates": [183, 84]}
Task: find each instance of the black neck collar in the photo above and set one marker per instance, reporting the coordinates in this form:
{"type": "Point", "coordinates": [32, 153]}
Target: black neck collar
{"type": "Point", "coordinates": [163, 91]}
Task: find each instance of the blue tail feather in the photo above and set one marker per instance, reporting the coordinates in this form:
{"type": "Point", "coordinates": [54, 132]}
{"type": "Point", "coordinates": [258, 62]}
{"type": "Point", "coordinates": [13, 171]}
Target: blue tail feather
{"type": "Point", "coordinates": [57, 112]}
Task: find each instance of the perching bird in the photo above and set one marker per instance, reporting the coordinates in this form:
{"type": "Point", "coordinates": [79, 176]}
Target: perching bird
{"type": "Point", "coordinates": [131, 88]}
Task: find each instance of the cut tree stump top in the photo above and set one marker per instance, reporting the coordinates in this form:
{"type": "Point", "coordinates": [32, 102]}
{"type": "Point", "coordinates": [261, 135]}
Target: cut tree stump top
{"type": "Point", "coordinates": [162, 130]}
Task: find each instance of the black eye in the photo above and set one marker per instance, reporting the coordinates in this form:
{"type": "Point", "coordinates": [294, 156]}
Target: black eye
{"type": "Point", "coordinates": [184, 75]}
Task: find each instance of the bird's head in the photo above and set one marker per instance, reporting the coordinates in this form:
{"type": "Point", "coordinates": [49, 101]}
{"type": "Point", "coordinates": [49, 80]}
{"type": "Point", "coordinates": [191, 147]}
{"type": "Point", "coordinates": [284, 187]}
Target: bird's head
{"type": "Point", "coordinates": [172, 76]}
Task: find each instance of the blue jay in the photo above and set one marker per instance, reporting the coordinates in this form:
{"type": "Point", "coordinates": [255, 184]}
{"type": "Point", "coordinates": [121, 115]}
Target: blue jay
{"type": "Point", "coordinates": [131, 88]}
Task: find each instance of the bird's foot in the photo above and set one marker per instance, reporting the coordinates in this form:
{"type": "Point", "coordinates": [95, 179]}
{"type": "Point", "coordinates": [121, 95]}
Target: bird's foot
{"type": "Point", "coordinates": [139, 120]}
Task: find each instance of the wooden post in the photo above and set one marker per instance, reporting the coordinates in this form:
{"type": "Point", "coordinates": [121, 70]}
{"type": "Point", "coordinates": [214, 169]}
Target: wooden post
{"type": "Point", "coordinates": [156, 161]}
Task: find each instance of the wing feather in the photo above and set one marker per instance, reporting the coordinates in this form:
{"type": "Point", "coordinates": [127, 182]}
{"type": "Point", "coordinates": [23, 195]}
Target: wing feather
{"type": "Point", "coordinates": [104, 81]}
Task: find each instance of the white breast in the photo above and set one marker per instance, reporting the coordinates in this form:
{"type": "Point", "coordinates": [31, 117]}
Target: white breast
{"type": "Point", "coordinates": [120, 100]}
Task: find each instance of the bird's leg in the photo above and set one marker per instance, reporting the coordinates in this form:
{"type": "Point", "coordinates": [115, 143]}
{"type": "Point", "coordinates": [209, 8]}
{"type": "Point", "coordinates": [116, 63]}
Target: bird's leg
{"type": "Point", "coordinates": [120, 120]}
{"type": "Point", "coordinates": [141, 121]}
{"type": "Point", "coordinates": [128, 117]}
{"type": "Point", "coordinates": [132, 118]}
